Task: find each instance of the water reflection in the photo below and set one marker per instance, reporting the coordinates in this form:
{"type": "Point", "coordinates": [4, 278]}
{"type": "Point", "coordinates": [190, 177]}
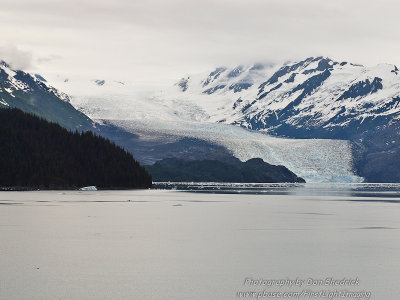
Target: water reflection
{"type": "Point", "coordinates": [369, 190]}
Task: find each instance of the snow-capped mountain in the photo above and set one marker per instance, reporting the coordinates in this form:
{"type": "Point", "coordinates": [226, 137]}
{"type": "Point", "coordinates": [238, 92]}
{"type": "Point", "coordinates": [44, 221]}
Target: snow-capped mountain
{"type": "Point", "coordinates": [17, 81]}
{"type": "Point", "coordinates": [313, 98]}
{"type": "Point", "coordinates": [31, 93]}
{"type": "Point", "coordinates": [316, 97]}
{"type": "Point", "coordinates": [170, 119]}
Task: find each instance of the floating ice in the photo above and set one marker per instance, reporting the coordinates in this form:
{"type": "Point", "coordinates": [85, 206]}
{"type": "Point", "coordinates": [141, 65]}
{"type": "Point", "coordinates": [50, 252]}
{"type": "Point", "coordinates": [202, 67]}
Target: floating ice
{"type": "Point", "coordinates": [88, 188]}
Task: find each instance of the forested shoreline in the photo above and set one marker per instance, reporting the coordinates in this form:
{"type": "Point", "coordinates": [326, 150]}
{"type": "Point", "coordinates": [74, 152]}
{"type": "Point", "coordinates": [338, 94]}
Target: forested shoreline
{"type": "Point", "coordinates": [37, 154]}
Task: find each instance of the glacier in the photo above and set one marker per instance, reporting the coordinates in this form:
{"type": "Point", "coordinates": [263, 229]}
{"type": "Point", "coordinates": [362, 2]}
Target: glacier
{"type": "Point", "coordinates": [188, 109]}
{"type": "Point", "coordinates": [315, 160]}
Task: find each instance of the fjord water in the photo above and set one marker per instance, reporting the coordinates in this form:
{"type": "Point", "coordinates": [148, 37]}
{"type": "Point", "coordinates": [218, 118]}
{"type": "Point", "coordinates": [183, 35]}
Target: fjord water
{"type": "Point", "coordinates": [198, 241]}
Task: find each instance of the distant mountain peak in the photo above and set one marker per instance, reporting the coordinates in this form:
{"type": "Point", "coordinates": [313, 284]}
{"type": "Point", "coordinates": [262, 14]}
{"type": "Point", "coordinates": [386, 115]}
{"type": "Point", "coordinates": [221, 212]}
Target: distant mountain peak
{"type": "Point", "coordinates": [4, 64]}
{"type": "Point", "coordinates": [183, 83]}
{"type": "Point", "coordinates": [99, 82]}
{"type": "Point", "coordinates": [40, 77]}
{"type": "Point", "coordinates": [297, 96]}
{"type": "Point", "coordinates": [31, 93]}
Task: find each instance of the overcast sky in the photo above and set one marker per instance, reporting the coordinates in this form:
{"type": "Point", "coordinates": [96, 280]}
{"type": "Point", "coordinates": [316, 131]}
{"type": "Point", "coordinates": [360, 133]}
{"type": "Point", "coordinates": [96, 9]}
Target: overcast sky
{"type": "Point", "coordinates": [157, 40]}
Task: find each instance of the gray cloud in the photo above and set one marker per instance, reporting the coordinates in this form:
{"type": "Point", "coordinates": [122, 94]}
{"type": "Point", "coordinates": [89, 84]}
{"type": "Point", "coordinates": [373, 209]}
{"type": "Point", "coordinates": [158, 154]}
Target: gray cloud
{"type": "Point", "coordinates": [16, 58]}
{"type": "Point", "coordinates": [158, 39]}
{"type": "Point", "coordinates": [47, 59]}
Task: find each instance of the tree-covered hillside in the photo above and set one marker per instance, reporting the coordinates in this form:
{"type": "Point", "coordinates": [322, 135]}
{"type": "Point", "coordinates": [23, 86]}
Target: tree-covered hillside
{"type": "Point", "coordinates": [37, 154]}
{"type": "Point", "coordinates": [253, 170]}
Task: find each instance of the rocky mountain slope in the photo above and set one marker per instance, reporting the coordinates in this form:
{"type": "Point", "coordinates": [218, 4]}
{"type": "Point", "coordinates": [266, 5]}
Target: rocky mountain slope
{"type": "Point", "coordinates": [32, 94]}
{"type": "Point", "coordinates": [313, 98]}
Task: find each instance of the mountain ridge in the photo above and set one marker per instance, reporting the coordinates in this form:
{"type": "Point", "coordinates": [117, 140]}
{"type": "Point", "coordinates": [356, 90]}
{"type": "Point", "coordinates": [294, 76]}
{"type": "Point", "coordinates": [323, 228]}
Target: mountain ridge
{"type": "Point", "coordinates": [251, 171]}
{"type": "Point", "coordinates": [32, 94]}
{"type": "Point", "coordinates": [299, 97]}
{"type": "Point", "coordinates": [315, 98]}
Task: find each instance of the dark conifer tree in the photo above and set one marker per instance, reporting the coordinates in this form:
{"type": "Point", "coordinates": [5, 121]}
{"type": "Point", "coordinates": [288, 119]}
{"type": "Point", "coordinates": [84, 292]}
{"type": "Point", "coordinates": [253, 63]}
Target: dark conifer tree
{"type": "Point", "coordinates": [39, 154]}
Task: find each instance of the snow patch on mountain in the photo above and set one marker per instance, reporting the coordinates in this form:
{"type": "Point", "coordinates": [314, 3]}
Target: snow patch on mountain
{"type": "Point", "coordinates": [316, 92]}
{"type": "Point", "coordinates": [13, 81]}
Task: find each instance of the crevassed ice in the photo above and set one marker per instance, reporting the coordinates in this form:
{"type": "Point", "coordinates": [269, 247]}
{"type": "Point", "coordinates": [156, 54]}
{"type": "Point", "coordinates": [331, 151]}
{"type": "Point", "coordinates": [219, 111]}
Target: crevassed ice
{"type": "Point", "coordinates": [315, 160]}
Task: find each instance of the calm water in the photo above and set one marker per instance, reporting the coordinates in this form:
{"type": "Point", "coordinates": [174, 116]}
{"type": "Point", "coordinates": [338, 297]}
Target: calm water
{"type": "Point", "coordinates": [200, 244]}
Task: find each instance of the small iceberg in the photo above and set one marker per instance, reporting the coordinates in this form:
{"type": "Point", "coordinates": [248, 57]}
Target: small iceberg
{"type": "Point", "coordinates": [88, 188]}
